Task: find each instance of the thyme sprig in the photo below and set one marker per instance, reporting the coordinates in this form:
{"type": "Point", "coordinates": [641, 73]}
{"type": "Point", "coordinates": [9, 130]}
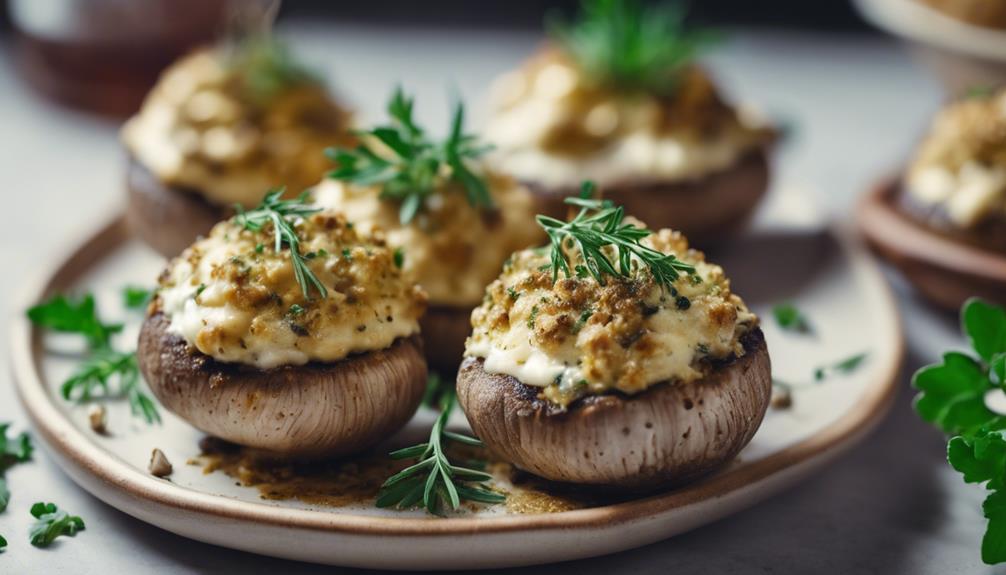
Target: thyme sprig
{"type": "Point", "coordinates": [600, 225]}
{"type": "Point", "coordinates": [433, 480]}
{"type": "Point", "coordinates": [283, 214]}
{"type": "Point", "coordinates": [414, 165]}
{"type": "Point", "coordinates": [630, 45]}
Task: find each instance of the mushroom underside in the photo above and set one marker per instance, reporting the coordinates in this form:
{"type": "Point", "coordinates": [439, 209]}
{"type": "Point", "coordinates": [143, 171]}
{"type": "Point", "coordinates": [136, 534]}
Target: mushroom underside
{"type": "Point", "coordinates": [703, 209]}
{"type": "Point", "coordinates": [669, 434]}
{"type": "Point", "coordinates": [167, 218]}
{"type": "Point", "coordinates": [313, 410]}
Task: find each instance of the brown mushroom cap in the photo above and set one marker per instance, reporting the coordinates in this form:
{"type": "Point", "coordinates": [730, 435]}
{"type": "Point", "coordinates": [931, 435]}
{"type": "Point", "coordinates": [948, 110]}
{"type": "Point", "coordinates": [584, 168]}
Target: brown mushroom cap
{"type": "Point", "coordinates": [445, 328]}
{"type": "Point", "coordinates": [702, 209]}
{"type": "Point", "coordinates": [167, 218]}
{"type": "Point", "coordinates": [988, 234]}
{"type": "Point", "coordinates": [665, 435]}
{"type": "Point", "coordinates": [313, 410]}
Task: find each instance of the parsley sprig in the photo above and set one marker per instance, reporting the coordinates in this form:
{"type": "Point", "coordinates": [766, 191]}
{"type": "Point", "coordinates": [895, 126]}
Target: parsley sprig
{"type": "Point", "coordinates": [598, 226]}
{"type": "Point", "coordinates": [632, 46]}
{"type": "Point", "coordinates": [952, 397]}
{"type": "Point", "coordinates": [52, 522]}
{"type": "Point", "coordinates": [13, 450]}
{"type": "Point", "coordinates": [791, 318]}
{"type": "Point", "coordinates": [433, 480]}
{"type": "Point", "coordinates": [284, 215]}
{"type": "Point", "coordinates": [413, 165]}
{"type": "Point", "coordinates": [105, 371]}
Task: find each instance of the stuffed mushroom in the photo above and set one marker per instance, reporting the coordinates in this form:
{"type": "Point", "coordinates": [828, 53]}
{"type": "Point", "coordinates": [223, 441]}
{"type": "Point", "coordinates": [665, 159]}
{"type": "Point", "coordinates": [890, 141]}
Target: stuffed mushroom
{"type": "Point", "coordinates": [301, 340]}
{"type": "Point", "coordinates": [220, 126]}
{"type": "Point", "coordinates": [956, 185]}
{"type": "Point", "coordinates": [452, 220]}
{"type": "Point", "coordinates": [617, 358]}
{"type": "Point", "coordinates": [616, 98]}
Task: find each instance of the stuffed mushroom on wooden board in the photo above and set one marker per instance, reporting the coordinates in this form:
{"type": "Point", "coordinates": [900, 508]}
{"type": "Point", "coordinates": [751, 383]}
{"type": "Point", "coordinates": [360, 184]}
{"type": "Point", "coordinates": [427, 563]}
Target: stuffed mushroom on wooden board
{"type": "Point", "coordinates": [301, 340]}
{"type": "Point", "coordinates": [220, 126]}
{"type": "Point", "coordinates": [452, 221]}
{"type": "Point", "coordinates": [616, 98]}
{"type": "Point", "coordinates": [621, 359]}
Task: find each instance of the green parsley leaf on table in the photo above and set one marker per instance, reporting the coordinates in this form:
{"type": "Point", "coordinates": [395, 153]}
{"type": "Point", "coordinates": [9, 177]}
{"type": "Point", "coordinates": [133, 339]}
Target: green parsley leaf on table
{"type": "Point", "coordinates": [104, 372]}
{"type": "Point", "coordinates": [952, 396]}
{"type": "Point", "coordinates": [408, 165]}
{"type": "Point", "coordinates": [790, 318]}
{"type": "Point", "coordinates": [3, 543]}
{"type": "Point", "coordinates": [433, 481]}
{"type": "Point", "coordinates": [630, 45]}
{"type": "Point", "coordinates": [52, 522]}
{"type": "Point", "coordinates": [12, 451]}
{"type": "Point", "coordinates": [136, 297]}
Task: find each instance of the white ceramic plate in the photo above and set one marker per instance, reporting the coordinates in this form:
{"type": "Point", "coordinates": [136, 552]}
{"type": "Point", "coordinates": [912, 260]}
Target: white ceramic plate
{"type": "Point", "coordinates": [831, 279]}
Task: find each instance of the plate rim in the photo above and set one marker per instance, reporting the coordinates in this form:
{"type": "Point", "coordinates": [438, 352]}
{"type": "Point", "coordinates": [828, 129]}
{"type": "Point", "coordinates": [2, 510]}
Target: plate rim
{"type": "Point", "coordinates": [71, 443]}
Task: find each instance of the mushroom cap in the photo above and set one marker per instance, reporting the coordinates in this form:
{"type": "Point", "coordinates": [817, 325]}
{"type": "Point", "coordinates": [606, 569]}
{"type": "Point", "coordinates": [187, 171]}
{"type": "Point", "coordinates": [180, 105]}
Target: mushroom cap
{"type": "Point", "coordinates": [167, 218]}
{"type": "Point", "coordinates": [445, 328]}
{"type": "Point", "coordinates": [703, 209]}
{"type": "Point", "coordinates": [668, 434]}
{"type": "Point", "coordinates": [312, 410]}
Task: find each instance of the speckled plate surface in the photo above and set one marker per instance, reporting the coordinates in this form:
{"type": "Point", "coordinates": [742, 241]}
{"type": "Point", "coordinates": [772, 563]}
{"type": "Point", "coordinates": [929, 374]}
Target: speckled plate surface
{"type": "Point", "coordinates": [831, 279]}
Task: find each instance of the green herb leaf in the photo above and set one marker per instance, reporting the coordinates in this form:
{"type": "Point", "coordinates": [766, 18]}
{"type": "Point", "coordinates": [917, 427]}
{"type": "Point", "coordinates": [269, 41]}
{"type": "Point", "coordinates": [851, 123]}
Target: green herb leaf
{"type": "Point", "coordinates": [135, 297]}
{"type": "Point", "coordinates": [13, 450]}
{"type": "Point", "coordinates": [266, 68]}
{"type": "Point", "coordinates": [952, 396]}
{"type": "Point", "coordinates": [3, 543]}
{"type": "Point", "coordinates": [62, 314]}
{"type": "Point", "coordinates": [104, 373]}
{"type": "Point", "coordinates": [433, 479]}
{"type": "Point", "coordinates": [790, 318]}
{"type": "Point", "coordinates": [847, 365]}
{"type": "Point", "coordinates": [52, 522]}
{"type": "Point", "coordinates": [985, 325]}
{"type": "Point", "coordinates": [599, 226]}
{"type": "Point", "coordinates": [412, 166]}
{"type": "Point", "coordinates": [284, 215]}
{"type": "Point", "coordinates": [629, 45]}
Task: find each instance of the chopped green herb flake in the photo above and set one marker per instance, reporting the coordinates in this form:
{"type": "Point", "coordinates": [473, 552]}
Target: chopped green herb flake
{"type": "Point", "coordinates": [399, 258]}
{"type": "Point", "coordinates": [135, 297]}
{"type": "Point", "coordinates": [52, 522]}
{"type": "Point", "coordinates": [790, 318]}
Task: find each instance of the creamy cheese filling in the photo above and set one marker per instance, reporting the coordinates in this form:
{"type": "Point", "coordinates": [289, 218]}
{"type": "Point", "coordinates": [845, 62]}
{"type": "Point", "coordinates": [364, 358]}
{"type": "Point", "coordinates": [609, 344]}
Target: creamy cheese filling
{"type": "Point", "coordinates": [199, 129]}
{"type": "Point", "coordinates": [450, 248]}
{"type": "Point", "coordinates": [961, 165]}
{"type": "Point", "coordinates": [576, 337]}
{"type": "Point", "coordinates": [233, 298]}
{"type": "Point", "coordinates": [632, 142]}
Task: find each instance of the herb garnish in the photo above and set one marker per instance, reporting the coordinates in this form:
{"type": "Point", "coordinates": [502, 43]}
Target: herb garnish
{"type": "Point", "coordinates": [103, 365]}
{"type": "Point", "coordinates": [12, 451]}
{"type": "Point", "coordinates": [136, 297]}
{"type": "Point", "coordinates": [790, 318]}
{"type": "Point", "coordinates": [418, 165]}
{"type": "Point", "coordinates": [266, 68]}
{"type": "Point", "coordinates": [283, 214]}
{"type": "Point", "coordinates": [597, 226]}
{"type": "Point", "coordinates": [629, 45]}
{"type": "Point", "coordinates": [433, 481]}
{"type": "Point", "coordinates": [3, 543]}
{"type": "Point", "coordinates": [847, 365]}
{"type": "Point", "coordinates": [952, 397]}
{"type": "Point", "coordinates": [52, 522]}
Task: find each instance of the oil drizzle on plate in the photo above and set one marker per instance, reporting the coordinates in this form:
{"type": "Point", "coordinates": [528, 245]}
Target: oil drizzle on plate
{"type": "Point", "coordinates": [357, 479]}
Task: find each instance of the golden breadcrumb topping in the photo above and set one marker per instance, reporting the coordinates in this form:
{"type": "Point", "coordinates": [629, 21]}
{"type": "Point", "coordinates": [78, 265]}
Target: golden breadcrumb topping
{"type": "Point", "coordinates": [576, 337]}
{"type": "Point", "coordinates": [235, 298]}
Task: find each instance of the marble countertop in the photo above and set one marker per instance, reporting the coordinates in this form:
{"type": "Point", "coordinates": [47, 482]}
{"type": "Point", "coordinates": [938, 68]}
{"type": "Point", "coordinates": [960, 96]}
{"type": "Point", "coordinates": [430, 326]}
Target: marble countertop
{"type": "Point", "coordinates": [891, 505]}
